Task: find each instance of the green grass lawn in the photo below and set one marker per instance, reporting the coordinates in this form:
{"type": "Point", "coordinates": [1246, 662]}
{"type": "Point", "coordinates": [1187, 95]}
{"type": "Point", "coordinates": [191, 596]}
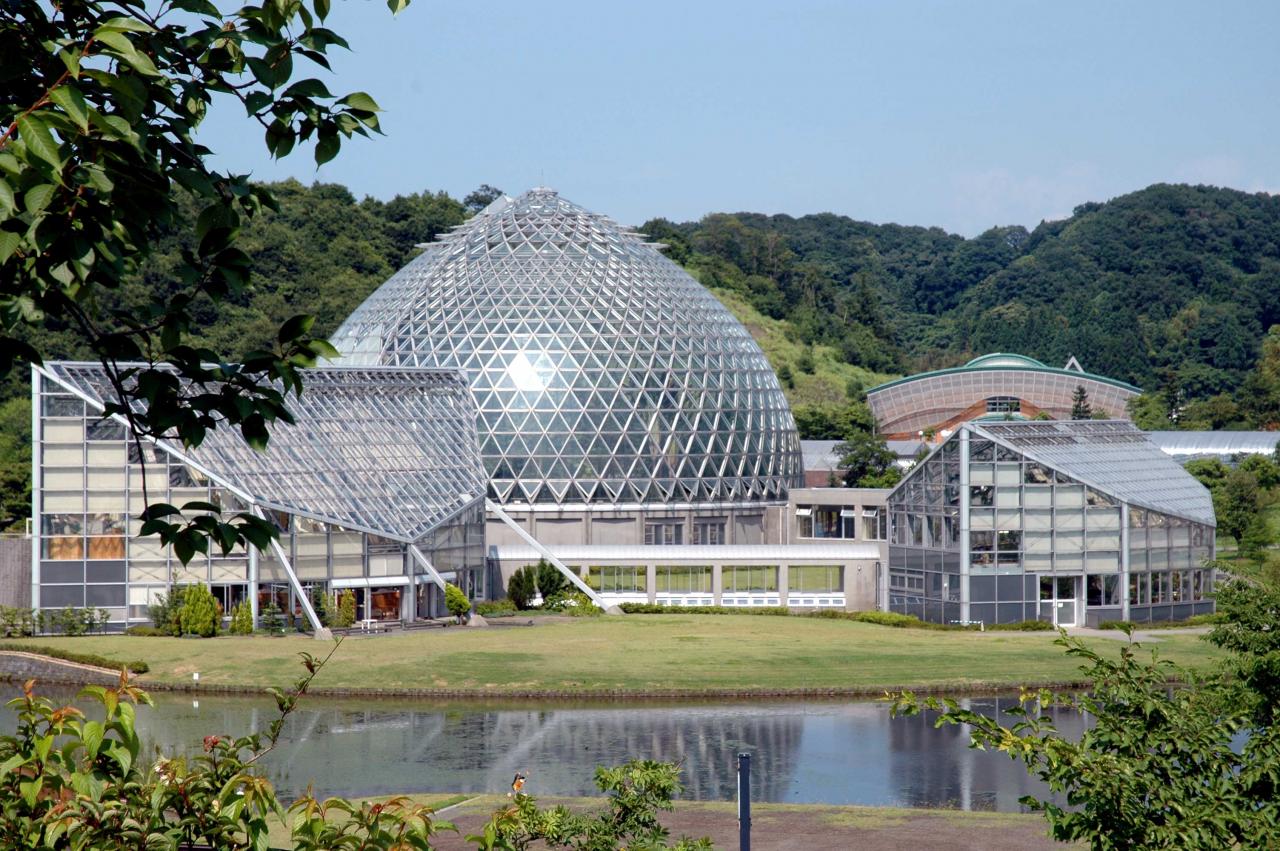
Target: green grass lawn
{"type": "Point", "coordinates": [633, 652]}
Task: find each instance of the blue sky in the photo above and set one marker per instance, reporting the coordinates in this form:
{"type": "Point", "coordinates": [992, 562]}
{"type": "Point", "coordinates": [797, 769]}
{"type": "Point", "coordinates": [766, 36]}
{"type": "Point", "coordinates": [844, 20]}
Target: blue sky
{"type": "Point", "coordinates": [957, 114]}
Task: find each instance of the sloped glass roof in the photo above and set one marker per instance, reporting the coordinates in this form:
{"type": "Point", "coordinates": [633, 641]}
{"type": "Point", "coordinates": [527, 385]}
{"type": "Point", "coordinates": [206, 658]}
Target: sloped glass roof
{"type": "Point", "coordinates": [1112, 456]}
{"type": "Point", "coordinates": [390, 451]}
{"type": "Point", "coordinates": [603, 372]}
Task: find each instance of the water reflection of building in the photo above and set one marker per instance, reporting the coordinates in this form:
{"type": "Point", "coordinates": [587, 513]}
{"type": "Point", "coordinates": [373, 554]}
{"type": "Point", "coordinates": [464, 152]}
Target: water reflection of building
{"type": "Point", "coordinates": [934, 766]}
{"type": "Point", "coordinates": [829, 752]}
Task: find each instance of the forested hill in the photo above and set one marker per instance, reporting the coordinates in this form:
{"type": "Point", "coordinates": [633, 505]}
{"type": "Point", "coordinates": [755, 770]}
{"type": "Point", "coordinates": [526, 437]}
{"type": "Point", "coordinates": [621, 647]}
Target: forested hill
{"type": "Point", "coordinates": [1172, 288]}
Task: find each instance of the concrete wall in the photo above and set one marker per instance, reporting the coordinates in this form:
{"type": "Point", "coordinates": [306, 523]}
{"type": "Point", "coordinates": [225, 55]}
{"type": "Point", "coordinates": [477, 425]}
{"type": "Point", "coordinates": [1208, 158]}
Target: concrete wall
{"type": "Point", "coordinates": [15, 571]}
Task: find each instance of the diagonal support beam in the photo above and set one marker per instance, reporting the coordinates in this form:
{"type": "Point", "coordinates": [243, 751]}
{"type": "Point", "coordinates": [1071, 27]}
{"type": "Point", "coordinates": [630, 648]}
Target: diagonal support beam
{"type": "Point", "coordinates": [569, 574]}
{"type": "Point", "coordinates": [421, 558]}
{"type": "Point", "coordinates": [318, 629]}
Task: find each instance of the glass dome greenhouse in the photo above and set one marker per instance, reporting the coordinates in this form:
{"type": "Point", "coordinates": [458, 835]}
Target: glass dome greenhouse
{"type": "Point", "coordinates": [603, 373]}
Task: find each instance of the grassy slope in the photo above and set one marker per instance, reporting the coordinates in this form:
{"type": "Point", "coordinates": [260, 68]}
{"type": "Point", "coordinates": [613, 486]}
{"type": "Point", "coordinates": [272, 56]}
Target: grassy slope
{"type": "Point", "coordinates": [831, 375]}
{"type": "Point", "coordinates": [636, 652]}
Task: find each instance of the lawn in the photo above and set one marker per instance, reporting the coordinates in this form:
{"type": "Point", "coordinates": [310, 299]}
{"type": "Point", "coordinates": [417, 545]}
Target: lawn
{"type": "Point", "coordinates": [635, 653]}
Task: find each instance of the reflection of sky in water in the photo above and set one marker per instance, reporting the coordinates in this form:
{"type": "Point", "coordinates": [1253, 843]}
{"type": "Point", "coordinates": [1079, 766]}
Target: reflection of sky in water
{"type": "Point", "coordinates": [823, 752]}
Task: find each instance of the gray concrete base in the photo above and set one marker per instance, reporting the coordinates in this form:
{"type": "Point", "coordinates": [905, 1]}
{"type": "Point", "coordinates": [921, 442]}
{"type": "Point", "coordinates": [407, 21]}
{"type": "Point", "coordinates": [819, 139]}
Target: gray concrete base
{"type": "Point", "coordinates": [477, 620]}
{"type": "Point", "coordinates": [323, 634]}
{"type": "Point", "coordinates": [614, 610]}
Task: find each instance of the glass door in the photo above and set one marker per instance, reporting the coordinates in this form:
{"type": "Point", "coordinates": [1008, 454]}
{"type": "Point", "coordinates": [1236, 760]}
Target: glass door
{"type": "Point", "coordinates": [1059, 599]}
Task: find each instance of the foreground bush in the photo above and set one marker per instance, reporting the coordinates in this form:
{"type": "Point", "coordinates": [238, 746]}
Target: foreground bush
{"type": "Point", "coordinates": [1191, 765]}
{"type": "Point", "coordinates": [69, 781]}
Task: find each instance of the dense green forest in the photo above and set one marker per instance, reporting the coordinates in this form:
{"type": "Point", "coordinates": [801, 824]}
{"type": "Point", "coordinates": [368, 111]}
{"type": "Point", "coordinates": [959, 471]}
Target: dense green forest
{"type": "Point", "coordinates": [1172, 288]}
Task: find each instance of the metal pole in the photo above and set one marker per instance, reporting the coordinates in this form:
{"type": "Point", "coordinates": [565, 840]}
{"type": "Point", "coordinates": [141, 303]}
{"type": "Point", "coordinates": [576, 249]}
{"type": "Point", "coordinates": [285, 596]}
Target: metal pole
{"type": "Point", "coordinates": [744, 802]}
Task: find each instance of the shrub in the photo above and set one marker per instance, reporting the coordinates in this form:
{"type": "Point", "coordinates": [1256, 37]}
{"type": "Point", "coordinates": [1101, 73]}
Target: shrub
{"type": "Point", "coordinates": [10, 620]}
{"type": "Point", "coordinates": [496, 608]}
{"type": "Point", "coordinates": [272, 622]}
{"type": "Point", "coordinates": [138, 667]}
{"type": "Point", "coordinates": [145, 631]}
{"type": "Point", "coordinates": [660, 609]}
{"type": "Point", "coordinates": [199, 612]}
{"type": "Point", "coordinates": [1022, 626]}
{"type": "Point", "coordinates": [320, 602]}
{"type": "Point", "coordinates": [166, 610]}
{"type": "Point", "coordinates": [550, 580]}
{"type": "Point", "coordinates": [522, 587]}
{"type": "Point", "coordinates": [242, 619]}
{"type": "Point", "coordinates": [573, 603]}
{"type": "Point", "coordinates": [346, 608]}
{"type": "Point", "coordinates": [456, 601]}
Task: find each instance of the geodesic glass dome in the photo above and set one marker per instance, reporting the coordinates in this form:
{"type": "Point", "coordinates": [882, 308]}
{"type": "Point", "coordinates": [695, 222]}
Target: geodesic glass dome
{"type": "Point", "coordinates": [602, 371]}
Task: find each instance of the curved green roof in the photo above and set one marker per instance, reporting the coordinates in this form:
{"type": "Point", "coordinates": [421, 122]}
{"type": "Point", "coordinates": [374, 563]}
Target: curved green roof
{"type": "Point", "coordinates": [1005, 360]}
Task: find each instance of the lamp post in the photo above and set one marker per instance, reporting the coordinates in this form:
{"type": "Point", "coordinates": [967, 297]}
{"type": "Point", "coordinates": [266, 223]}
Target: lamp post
{"type": "Point", "coordinates": [744, 802]}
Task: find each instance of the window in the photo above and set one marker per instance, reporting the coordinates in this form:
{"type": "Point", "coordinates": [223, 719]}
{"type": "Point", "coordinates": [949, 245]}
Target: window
{"type": "Point", "coordinates": [815, 579]}
{"type": "Point", "coordinates": [682, 580]}
{"type": "Point", "coordinates": [874, 521]}
{"type": "Point", "coordinates": [1103, 590]}
{"type": "Point", "coordinates": [664, 533]}
{"type": "Point", "coordinates": [984, 495]}
{"type": "Point", "coordinates": [740, 580]}
{"type": "Point", "coordinates": [1003, 405]}
{"type": "Point", "coordinates": [904, 580]}
{"type": "Point", "coordinates": [1140, 589]}
{"type": "Point", "coordinates": [708, 532]}
{"type": "Point", "coordinates": [617, 579]}
{"type": "Point", "coordinates": [826, 521]}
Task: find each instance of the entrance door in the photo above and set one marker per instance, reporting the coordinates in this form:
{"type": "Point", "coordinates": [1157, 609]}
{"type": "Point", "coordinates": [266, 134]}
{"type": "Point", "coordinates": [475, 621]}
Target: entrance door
{"type": "Point", "coordinates": [1059, 599]}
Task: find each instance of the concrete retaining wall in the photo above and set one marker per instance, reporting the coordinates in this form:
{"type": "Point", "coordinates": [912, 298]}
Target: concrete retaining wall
{"type": "Point", "coordinates": [15, 571]}
{"type": "Point", "coordinates": [19, 666]}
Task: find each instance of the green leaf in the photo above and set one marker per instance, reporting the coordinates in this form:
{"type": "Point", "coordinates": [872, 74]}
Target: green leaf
{"type": "Point", "coordinates": [37, 198]}
{"type": "Point", "coordinates": [397, 6]}
{"type": "Point", "coordinates": [295, 327]}
{"type": "Point", "coordinates": [322, 9]}
{"type": "Point", "coordinates": [327, 148]}
{"type": "Point", "coordinates": [40, 142]}
{"type": "Point", "coordinates": [72, 102]}
{"type": "Point", "coordinates": [120, 45]}
{"type": "Point", "coordinates": [310, 87]}
{"type": "Point", "coordinates": [360, 100]}
{"type": "Point", "coordinates": [123, 24]}
{"type": "Point", "coordinates": [9, 242]}
{"type": "Point", "coordinates": [7, 202]}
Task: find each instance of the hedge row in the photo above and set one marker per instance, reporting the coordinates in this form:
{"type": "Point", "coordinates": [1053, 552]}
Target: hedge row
{"type": "Point", "coordinates": [1194, 620]}
{"type": "Point", "coordinates": [659, 609]}
{"type": "Point", "coordinates": [136, 666]}
{"type": "Point", "coordinates": [893, 619]}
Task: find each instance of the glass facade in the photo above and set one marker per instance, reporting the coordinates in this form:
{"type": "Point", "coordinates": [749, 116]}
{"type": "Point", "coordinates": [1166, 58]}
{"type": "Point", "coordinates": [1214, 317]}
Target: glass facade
{"type": "Point", "coordinates": [1034, 539]}
{"type": "Point", "coordinates": [603, 372]}
{"type": "Point", "coordinates": [93, 484]}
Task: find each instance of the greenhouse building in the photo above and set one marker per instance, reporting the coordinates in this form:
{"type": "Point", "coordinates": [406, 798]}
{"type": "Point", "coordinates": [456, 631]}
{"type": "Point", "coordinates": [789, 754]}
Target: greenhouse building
{"type": "Point", "coordinates": [376, 488]}
{"type": "Point", "coordinates": [1073, 522]}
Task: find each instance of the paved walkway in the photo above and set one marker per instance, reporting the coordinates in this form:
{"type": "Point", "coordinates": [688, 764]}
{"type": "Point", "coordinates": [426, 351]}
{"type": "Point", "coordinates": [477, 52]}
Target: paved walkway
{"type": "Point", "coordinates": [1150, 636]}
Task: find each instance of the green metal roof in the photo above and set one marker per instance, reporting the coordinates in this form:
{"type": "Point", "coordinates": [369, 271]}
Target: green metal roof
{"type": "Point", "coordinates": [1002, 361]}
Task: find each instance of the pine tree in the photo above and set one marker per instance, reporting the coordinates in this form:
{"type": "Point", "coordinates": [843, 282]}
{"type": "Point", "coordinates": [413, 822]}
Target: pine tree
{"type": "Point", "coordinates": [1080, 407]}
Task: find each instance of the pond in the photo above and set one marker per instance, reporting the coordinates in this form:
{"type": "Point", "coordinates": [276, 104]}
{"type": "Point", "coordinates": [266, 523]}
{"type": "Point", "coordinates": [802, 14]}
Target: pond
{"type": "Point", "coordinates": [834, 752]}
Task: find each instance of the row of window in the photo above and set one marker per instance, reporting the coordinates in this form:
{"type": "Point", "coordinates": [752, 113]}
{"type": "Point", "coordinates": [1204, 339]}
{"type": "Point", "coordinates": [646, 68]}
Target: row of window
{"type": "Point", "coordinates": [670, 579]}
{"type": "Point", "coordinates": [1145, 589]}
{"type": "Point", "coordinates": [841, 522]}
{"type": "Point", "coordinates": [671, 532]}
